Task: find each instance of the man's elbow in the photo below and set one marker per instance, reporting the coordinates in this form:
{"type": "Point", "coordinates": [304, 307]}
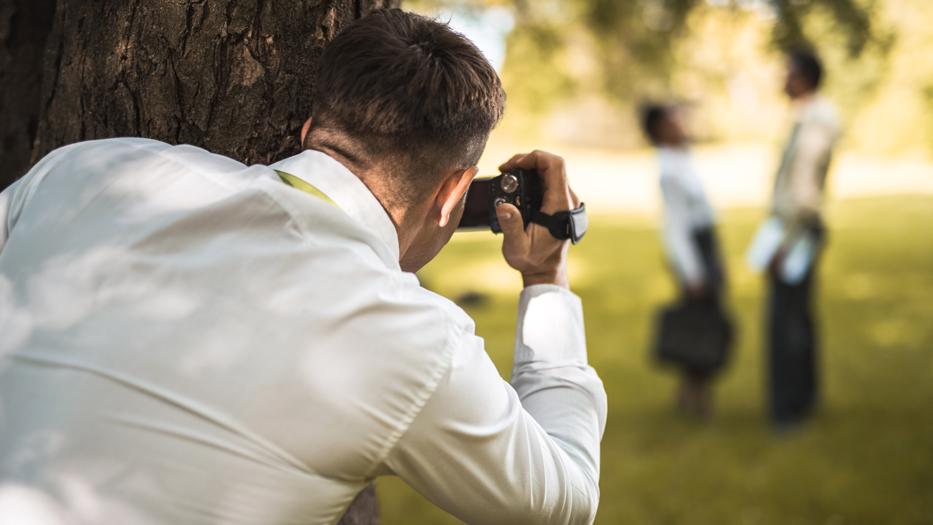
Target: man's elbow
{"type": "Point", "coordinates": [576, 505]}
{"type": "Point", "coordinates": [586, 502]}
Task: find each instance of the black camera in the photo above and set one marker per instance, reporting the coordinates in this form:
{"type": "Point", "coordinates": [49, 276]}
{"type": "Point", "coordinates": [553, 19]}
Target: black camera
{"type": "Point", "coordinates": [520, 188]}
{"type": "Point", "coordinates": [524, 190]}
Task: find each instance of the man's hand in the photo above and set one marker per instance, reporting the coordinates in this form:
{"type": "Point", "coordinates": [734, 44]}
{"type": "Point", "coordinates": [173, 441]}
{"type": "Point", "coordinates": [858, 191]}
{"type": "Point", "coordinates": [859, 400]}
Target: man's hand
{"type": "Point", "coordinates": [533, 251]}
{"type": "Point", "coordinates": [776, 264]}
{"type": "Point", "coordinates": [698, 292]}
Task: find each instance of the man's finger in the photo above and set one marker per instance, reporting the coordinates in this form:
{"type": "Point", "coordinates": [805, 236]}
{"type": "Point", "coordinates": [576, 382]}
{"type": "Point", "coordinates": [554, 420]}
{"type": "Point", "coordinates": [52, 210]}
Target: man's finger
{"type": "Point", "coordinates": [527, 161]}
{"type": "Point", "coordinates": [510, 219]}
{"type": "Point", "coordinates": [516, 242]}
{"type": "Point", "coordinates": [574, 199]}
{"type": "Point", "coordinates": [539, 160]}
{"type": "Point", "coordinates": [551, 169]}
{"type": "Point", "coordinates": [512, 163]}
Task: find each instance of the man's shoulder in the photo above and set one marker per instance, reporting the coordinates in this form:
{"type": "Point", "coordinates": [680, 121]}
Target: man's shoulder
{"type": "Point", "coordinates": [104, 150]}
{"type": "Point", "coordinates": [382, 321]}
{"type": "Point", "coordinates": [444, 307]}
{"type": "Point", "coordinates": [823, 112]}
{"type": "Point", "coordinates": [337, 278]}
{"type": "Point", "coordinates": [118, 143]}
{"type": "Point", "coordinates": [407, 321]}
{"type": "Point", "coordinates": [402, 296]}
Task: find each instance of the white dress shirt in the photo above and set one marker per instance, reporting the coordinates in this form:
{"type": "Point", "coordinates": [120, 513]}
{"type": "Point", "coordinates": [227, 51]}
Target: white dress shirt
{"type": "Point", "coordinates": [798, 187]}
{"type": "Point", "coordinates": [686, 210]}
{"type": "Point", "coordinates": [187, 340]}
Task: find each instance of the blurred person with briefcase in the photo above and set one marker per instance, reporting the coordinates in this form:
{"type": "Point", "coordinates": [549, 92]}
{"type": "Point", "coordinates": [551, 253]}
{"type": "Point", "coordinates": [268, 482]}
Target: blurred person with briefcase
{"type": "Point", "coordinates": [695, 332]}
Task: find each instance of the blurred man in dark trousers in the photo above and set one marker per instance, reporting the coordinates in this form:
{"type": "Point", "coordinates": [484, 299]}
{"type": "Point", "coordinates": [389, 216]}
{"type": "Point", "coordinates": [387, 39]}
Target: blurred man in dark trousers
{"type": "Point", "coordinates": [188, 340]}
{"type": "Point", "coordinates": [796, 204]}
{"type": "Point", "coordinates": [691, 243]}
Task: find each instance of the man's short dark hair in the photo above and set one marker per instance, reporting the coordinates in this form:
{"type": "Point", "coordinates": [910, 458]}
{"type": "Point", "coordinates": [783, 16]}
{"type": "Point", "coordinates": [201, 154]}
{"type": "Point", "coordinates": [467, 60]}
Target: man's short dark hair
{"type": "Point", "coordinates": [809, 66]}
{"type": "Point", "coordinates": [652, 115]}
{"type": "Point", "coordinates": [410, 92]}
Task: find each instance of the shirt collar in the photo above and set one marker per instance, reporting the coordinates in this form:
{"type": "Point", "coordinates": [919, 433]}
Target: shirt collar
{"type": "Point", "coordinates": [803, 106]}
{"type": "Point", "coordinates": [345, 189]}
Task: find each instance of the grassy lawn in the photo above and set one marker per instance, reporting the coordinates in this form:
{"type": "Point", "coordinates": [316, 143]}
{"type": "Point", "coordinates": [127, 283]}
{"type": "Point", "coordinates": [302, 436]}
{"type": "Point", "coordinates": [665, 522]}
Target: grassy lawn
{"type": "Point", "coordinates": [867, 458]}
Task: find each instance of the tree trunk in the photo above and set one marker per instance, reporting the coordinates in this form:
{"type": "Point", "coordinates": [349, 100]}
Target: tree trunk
{"type": "Point", "coordinates": [24, 26]}
{"type": "Point", "coordinates": [231, 76]}
{"type": "Point", "coordinates": [364, 510]}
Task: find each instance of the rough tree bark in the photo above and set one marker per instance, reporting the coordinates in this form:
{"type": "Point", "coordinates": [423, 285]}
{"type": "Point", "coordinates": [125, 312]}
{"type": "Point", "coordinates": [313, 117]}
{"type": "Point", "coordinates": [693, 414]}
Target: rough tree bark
{"type": "Point", "coordinates": [24, 26]}
{"type": "Point", "coordinates": [232, 76]}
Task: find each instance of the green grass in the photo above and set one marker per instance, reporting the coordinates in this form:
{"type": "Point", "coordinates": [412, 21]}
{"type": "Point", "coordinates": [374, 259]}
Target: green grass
{"type": "Point", "coordinates": [867, 458]}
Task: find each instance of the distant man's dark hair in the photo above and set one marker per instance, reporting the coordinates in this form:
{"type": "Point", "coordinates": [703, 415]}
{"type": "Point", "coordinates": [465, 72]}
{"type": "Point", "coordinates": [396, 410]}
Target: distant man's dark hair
{"type": "Point", "coordinates": [651, 117]}
{"type": "Point", "coordinates": [808, 65]}
{"type": "Point", "coordinates": [410, 93]}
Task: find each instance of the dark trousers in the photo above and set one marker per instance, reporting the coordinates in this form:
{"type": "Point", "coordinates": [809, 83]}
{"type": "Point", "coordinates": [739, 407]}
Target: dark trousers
{"type": "Point", "coordinates": [791, 350]}
{"type": "Point", "coordinates": [707, 244]}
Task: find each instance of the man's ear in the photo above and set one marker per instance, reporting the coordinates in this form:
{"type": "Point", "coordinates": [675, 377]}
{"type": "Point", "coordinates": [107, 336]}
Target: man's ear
{"type": "Point", "coordinates": [452, 190]}
{"type": "Point", "coordinates": [304, 131]}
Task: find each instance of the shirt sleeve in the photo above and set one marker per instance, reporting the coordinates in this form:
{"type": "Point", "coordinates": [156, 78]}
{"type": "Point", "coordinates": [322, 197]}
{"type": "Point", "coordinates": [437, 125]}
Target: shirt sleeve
{"type": "Point", "coordinates": [489, 452]}
{"type": "Point", "coordinates": [6, 203]}
{"type": "Point", "coordinates": [678, 233]}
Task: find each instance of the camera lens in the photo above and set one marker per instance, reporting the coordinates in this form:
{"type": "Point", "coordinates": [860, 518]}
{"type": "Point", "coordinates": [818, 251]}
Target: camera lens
{"type": "Point", "coordinates": [509, 183]}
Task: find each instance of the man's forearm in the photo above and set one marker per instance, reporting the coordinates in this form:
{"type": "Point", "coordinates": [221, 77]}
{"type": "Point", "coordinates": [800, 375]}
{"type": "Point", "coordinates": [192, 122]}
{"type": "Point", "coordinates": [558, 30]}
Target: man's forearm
{"type": "Point", "coordinates": [489, 453]}
{"type": "Point", "coordinates": [551, 375]}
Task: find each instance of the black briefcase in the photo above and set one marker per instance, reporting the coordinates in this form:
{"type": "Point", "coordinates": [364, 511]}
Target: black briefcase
{"type": "Point", "coordinates": [693, 334]}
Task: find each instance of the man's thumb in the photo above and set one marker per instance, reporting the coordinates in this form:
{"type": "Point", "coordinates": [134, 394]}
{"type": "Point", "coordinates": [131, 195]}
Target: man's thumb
{"type": "Point", "coordinates": [510, 220]}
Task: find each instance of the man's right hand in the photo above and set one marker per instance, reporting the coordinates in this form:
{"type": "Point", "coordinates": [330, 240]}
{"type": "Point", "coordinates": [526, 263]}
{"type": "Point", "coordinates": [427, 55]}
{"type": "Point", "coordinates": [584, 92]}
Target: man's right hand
{"type": "Point", "coordinates": [776, 265]}
{"type": "Point", "coordinates": [533, 251]}
{"type": "Point", "coordinates": [698, 292]}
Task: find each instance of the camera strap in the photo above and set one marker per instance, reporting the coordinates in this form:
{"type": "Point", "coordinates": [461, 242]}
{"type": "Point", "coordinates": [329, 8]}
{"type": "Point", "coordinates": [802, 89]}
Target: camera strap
{"type": "Point", "coordinates": [563, 225]}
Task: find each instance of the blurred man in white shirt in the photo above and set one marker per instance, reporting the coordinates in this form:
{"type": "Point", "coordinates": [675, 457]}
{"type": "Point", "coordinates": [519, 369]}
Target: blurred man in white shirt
{"type": "Point", "coordinates": [690, 239]}
{"type": "Point", "coordinates": [185, 339]}
{"type": "Point", "coordinates": [796, 203]}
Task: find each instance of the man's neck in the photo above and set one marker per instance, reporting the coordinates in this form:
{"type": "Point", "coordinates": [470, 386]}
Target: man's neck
{"type": "Point", "coordinates": [804, 97]}
{"type": "Point", "coordinates": [676, 145]}
{"type": "Point", "coordinates": [407, 221]}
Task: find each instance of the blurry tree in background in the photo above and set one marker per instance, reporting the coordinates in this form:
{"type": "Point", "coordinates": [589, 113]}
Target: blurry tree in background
{"type": "Point", "coordinates": [640, 39]}
{"type": "Point", "coordinates": [576, 70]}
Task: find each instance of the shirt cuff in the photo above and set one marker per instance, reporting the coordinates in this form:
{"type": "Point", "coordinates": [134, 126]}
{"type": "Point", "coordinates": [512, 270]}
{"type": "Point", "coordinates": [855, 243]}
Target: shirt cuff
{"type": "Point", "coordinates": [550, 326]}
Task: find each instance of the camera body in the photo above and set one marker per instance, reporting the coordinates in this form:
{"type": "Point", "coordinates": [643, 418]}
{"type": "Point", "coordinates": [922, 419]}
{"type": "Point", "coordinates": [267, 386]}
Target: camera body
{"type": "Point", "coordinates": [520, 188]}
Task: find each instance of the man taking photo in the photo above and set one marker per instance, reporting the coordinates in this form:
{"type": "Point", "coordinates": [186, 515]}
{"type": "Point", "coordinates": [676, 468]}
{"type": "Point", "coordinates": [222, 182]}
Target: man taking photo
{"type": "Point", "coordinates": [184, 339]}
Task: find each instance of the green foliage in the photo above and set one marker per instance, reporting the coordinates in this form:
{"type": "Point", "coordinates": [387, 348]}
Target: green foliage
{"type": "Point", "coordinates": [577, 70]}
{"type": "Point", "coordinates": [857, 63]}
{"type": "Point", "coordinates": [636, 39]}
{"type": "Point", "coordinates": [866, 458]}
{"type": "Point", "coordinates": [851, 19]}
{"type": "Point", "coordinates": [536, 44]}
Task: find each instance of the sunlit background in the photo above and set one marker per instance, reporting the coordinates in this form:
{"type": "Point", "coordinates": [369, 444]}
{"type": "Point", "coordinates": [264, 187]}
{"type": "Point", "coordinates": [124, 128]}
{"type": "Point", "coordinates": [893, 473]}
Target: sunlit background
{"type": "Point", "coordinates": [576, 72]}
